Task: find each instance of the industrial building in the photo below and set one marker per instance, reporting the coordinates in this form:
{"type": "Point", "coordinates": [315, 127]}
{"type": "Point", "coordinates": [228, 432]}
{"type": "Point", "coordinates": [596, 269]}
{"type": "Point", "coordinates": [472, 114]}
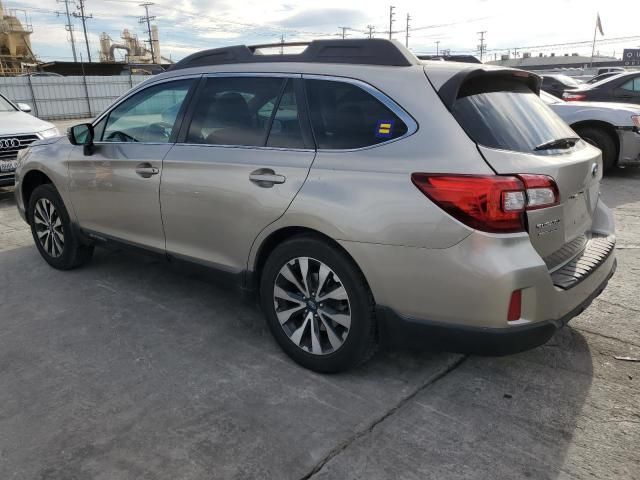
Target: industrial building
{"type": "Point", "coordinates": [136, 51]}
{"type": "Point", "coordinates": [553, 62]}
{"type": "Point", "coordinates": [15, 43]}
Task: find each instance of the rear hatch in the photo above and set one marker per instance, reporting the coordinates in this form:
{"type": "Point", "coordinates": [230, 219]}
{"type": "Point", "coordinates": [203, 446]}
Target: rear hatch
{"type": "Point", "coordinates": [517, 133]}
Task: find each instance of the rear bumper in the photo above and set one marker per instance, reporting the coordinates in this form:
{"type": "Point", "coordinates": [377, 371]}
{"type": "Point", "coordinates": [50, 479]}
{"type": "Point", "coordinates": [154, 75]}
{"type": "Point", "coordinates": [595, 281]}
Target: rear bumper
{"type": "Point", "coordinates": [399, 330]}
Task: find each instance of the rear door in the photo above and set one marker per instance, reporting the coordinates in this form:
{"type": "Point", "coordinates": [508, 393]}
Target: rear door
{"type": "Point", "coordinates": [518, 134]}
{"type": "Point", "coordinates": [243, 154]}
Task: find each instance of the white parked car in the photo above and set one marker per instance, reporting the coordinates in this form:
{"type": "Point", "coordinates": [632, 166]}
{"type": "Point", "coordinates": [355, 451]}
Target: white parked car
{"type": "Point", "coordinates": [612, 127]}
{"type": "Point", "coordinates": [18, 130]}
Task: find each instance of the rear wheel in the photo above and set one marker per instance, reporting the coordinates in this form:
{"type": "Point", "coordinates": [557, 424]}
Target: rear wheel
{"type": "Point", "coordinates": [52, 231]}
{"type": "Point", "coordinates": [601, 139]}
{"type": "Point", "coordinates": [318, 305]}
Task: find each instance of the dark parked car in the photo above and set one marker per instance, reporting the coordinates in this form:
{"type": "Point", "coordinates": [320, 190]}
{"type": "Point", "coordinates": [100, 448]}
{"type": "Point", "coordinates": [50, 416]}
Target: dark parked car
{"type": "Point", "coordinates": [621, 88]}
{"type": "Point", "coordinates": [557, 84]}
{"type": "Point", "coordinates": [601, 77]}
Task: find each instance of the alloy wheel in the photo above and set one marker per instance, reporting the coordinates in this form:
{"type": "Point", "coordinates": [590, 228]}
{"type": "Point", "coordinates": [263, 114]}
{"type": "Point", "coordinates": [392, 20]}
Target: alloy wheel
{"type": "Point", "coordinates": [48, 226]}
{"type": "Point", "coordinates": [312, 305]}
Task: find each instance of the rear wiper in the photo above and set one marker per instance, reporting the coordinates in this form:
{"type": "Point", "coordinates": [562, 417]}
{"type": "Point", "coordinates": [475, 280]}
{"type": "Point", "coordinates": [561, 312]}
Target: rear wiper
{"type": "Point", "coordinates": [567, 142]}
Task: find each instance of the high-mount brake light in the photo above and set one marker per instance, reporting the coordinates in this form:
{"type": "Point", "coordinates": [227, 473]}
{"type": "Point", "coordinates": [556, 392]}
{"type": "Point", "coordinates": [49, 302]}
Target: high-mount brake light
{"type": "Point", "coordinates": [490, 203]}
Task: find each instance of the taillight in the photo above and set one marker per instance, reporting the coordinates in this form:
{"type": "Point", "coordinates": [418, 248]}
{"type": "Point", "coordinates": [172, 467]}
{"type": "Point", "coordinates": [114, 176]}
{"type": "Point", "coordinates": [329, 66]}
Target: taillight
{"type": "Point", "coordinates": [542, 191]}
{"type": "Point", "coordinates": [573, 97]}
{"type": "Point", "coordinates": [491, 203]}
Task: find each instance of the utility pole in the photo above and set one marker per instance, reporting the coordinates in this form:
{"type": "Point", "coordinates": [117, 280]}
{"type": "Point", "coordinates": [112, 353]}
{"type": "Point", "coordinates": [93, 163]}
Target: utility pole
{"type": "Point", "coordinates": [83, 18]}
{"type": "Point", "coordinates": [437, 47]}
{"type": "Point", "coordinates": [147, 19]}
{"type": "Point", "coordinates": [406, 39]}
{"type": "Point", "coordinates": [482, 47]}
{"type": "Point", "coordinates": [391, 14]}
{"type": "Point", "coordinates": [282, 44]}
{"type": "Point", "coordinates": [69, 26]}
{"type": "Point", "coordinates": [371, 28]}
{"type": "Point", "coordinates": [344, 31]}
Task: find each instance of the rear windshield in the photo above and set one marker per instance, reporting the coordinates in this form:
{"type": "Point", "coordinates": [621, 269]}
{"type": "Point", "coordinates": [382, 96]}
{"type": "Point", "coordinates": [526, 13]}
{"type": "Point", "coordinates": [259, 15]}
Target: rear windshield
{"type": "Point", "coordinates": [506, 114]}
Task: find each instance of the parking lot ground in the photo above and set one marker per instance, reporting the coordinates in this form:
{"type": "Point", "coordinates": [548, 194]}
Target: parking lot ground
{"type": "Point", "coordinates": [130, 368]}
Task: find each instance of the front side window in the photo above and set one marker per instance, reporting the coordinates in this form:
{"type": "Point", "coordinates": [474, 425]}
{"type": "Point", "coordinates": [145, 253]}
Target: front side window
{"type": "Point", "coordinates": [148, 116]}
{"type": "Point", "coordinates": [344, 116]}
{"type": "Point", "coordinates": [5, 105]}
{"type": "Point", "coordinates": [235, 111]}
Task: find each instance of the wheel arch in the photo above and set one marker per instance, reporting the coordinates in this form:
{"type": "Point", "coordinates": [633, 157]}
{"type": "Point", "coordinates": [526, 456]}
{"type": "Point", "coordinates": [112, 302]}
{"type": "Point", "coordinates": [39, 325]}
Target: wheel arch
{"type": "Point", "coordinates": [30, 181]}
{"type": "Point", "coordinates": [601, 125]}
{"type": "Point", "coordinates": [280, 235]}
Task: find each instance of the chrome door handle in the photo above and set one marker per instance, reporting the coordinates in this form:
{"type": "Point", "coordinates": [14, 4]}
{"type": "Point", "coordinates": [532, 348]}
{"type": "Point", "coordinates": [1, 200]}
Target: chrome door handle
{"type": "Point", "coordinates": [267, 178]}
{"type": "Point", "coordinates": [146, 170]}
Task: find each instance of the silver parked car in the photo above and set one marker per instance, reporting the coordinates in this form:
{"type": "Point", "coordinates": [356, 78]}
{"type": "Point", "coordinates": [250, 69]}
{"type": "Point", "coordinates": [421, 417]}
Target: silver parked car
{"type": "Point", "coordinates": [18, 130]}
{"type": "Point", "coordinates": [367, 197]}
{"type": "Point", "coordinates": [612, 127]}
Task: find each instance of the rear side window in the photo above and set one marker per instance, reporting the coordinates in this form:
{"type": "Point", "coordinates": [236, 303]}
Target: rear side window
{"type": "Point", "coordinates": [632, 85]}
{"type": "Point", "coordinates": [506, 114]}
{"type": "Point", "coordinates": [235, 110]}
{"type": "Point", "coordinates": [344, 116]}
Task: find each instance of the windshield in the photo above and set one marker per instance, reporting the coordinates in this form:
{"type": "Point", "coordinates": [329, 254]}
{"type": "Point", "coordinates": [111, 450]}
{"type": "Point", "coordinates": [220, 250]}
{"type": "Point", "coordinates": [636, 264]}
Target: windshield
{"type": "Point", "coordinates": [507, 115]}
{"type": "Point", "coordinates": [567, 80]}
{"type": "Point", "coordinates": [608, 79]}
{"type": "Point", "coordinates": [5, 105]}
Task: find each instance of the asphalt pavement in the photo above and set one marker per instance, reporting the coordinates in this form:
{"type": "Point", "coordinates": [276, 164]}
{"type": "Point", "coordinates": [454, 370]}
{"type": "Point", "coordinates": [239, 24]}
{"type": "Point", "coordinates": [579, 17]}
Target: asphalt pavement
{"type": "Point", "coordinates": [130, 368]}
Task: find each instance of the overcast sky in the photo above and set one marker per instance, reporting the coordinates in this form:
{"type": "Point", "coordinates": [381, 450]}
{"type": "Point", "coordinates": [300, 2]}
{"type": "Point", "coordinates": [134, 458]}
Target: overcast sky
{"type": "Point", "coordinates": [189, 25]}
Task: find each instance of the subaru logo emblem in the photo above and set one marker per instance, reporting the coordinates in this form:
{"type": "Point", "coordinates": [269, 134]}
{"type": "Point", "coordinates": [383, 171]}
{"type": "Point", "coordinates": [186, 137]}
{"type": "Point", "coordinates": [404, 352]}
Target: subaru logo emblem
{"type": "Point", "coordinates": [9, 143]}
{"type": "Point", "coordinates": [594, 170]}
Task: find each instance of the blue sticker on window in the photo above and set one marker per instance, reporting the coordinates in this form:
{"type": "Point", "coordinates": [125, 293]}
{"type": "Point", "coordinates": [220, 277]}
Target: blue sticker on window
{"type": "Point", "coordinates": [384, 128]}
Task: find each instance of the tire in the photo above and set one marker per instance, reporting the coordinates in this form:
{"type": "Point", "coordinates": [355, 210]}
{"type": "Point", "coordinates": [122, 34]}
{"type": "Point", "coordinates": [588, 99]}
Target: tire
{"type": "Point", "coordinates": [601, 139]}
{"type": "Point", "coordinates": [339, 345]}
{"type": "Point", "coordinates": [52, 231]}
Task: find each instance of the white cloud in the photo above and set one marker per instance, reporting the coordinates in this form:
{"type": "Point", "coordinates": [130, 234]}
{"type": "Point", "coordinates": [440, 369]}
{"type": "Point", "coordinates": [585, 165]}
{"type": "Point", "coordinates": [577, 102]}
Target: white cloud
{"type": "Point", "coordinates": [195, 24]}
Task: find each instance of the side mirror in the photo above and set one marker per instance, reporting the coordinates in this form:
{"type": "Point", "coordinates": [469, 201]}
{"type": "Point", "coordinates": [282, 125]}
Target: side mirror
{"type": "Point", "coordinates": [82, 135]}
{"type": "Point", "coordinates": [23, 107]}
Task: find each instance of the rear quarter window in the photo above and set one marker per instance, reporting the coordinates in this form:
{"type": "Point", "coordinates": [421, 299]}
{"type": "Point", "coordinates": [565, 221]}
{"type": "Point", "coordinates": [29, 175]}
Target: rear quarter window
{"type": "Point", "coordinates": [506, 114]}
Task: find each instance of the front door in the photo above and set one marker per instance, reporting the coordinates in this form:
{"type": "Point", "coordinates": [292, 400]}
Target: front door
{"type": "Point", "coordinates": [115, 190]}
{"type": "Point", "coordinates": [236, 168]}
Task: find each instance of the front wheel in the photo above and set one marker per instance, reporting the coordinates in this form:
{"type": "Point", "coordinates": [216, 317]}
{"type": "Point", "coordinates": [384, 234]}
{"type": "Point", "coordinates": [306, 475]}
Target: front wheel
{"type": "Point", "coordinates": [318, 305]}
{"type": "Point", "coordinates": [52, 231]}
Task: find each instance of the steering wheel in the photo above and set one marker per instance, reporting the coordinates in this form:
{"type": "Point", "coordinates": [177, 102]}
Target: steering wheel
{"type": "Point", "coordinates": [119, 136]}
{"type": "Point", "coordinates": [158, 129]}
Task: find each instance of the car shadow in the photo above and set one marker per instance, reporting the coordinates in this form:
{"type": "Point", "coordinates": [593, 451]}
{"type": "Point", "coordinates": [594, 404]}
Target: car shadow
{"type": "Point", "coordinates": [132, 366]}
{"type": "Point", "coordinates": [621, 185]}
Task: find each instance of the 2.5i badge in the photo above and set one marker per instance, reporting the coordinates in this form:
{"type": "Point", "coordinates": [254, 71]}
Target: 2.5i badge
{"type": "Point", "coordinates": [384, 128]}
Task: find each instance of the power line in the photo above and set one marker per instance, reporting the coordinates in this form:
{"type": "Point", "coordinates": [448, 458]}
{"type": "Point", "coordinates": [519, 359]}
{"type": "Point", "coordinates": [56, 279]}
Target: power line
{"type": "Point", "coordinates": [391, 14]}
{"type": "Point", "coordinates": [406, 39]}
{"type": "Point", "coordinates": [344, 31]}
{"type": "Point", "coordinates": [482, 47]}
{"type": "Point", "coordinates": [370, 29]}
{"type": "Point", "coordinates": [69, 26]}
{"type": "Point", "coordinates": [81, 15]}
{"type": "Point", "coordinates": [147, 19]}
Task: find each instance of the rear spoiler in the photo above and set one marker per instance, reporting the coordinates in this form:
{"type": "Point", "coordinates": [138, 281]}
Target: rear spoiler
{"type": "Point", "coordinates": [450, 90]}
